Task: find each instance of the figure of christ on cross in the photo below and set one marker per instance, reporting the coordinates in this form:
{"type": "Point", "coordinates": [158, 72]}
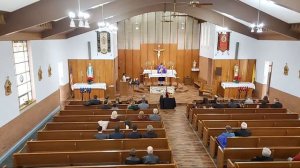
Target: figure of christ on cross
{"type": "Point", "coordinates": [161, 69]}
{"type": "Point", "coordinates": [158, 50]}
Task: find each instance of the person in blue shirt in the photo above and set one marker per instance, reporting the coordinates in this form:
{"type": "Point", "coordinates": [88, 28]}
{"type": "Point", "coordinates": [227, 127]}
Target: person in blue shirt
{"type": "Point", "coordinates": [132, 159]}
{"type": "Point", "coordinates": [143, 105]}
{"type": "Point", "coordinates": [154, 116]}
{"type": "Point", "coordinates": [117, 134]}
{"type": "Point", "coordinates": [150, 132]}
{"type": "Point", "coordinates": [150, 158]}
{"type": "Point", "coordinates": [134, 134]}
{"type": "Point", "coordinates": [93, 101]}
{"type": "Point", "coordinates": [101, 135]}
{"type": "Point", "coordinates": [222, 139]}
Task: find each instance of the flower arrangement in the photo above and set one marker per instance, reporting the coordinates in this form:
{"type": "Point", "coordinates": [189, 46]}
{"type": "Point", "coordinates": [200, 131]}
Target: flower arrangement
{"type": "Point", "coordinates": [90, 80]}
{"type": "Point", "coordinates": [236, 79]}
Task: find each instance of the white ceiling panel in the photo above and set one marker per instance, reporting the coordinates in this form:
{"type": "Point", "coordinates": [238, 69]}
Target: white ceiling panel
{"type": "Point", "coordinates": [12, 5]}
{"type": "Point", "coordinates": [271, 8]}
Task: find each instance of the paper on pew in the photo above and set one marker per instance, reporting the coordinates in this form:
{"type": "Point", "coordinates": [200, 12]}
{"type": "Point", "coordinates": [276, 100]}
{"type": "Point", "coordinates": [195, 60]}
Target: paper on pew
{"type": "Point", "coordinates": [103, 124]}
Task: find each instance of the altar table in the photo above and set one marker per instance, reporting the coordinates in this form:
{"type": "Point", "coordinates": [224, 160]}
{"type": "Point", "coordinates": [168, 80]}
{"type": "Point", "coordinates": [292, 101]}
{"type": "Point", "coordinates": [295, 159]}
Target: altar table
{"type": "Point", "coordinates": [155, 74]}
{"type": "Point", "coordinates": [97, 89]}
{"type": "Point", "coordinates": [241, 90]}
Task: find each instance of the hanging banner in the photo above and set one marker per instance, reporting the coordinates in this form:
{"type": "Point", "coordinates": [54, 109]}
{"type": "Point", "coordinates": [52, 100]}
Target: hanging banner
{"type": "Point", "coordinates": [223, 42]}
{"type": "Point", "coordinates": [103, 42]}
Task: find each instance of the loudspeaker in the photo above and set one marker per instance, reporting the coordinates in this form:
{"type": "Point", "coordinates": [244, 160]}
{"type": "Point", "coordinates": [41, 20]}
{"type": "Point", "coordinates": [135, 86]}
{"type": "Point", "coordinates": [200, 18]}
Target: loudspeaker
{"type": "Point", "coordinates": [89, 50]}
{"type": "Point", "coordinates": [218, 71]}
{"type": "Point", "coordinates": [237, 46]}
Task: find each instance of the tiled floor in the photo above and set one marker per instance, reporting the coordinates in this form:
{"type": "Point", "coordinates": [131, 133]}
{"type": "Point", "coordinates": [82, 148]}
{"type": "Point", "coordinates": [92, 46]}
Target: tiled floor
{"type": "Point", "coordinates": [187, 149]}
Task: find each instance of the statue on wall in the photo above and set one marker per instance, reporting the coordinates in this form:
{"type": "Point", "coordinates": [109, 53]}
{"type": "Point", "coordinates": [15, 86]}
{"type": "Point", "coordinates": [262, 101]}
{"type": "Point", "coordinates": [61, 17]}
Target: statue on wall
{"type": "Point", "coordinates": [159, 50]}
{"type": "Point", "coordinates": [40, 74]}
{"type": "Point", "coordinates": [49, 71]}
{"type": "Point", "coordinates": [7, 86]}
{"type": "Point", "coordinates": [286, 70]}
{"type": "Point", "coordinates": [194, 64]}
{"type": "Point", "coordinates": [90, 73]}
{"type": "Point", "coordinates": [236, 70]}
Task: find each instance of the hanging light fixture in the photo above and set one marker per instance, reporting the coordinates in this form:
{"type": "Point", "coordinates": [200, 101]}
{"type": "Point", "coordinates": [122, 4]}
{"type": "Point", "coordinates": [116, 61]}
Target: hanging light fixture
{"type": "Point", "coordinates": [82, 18]}
{"type": "Point", "coordinates": [137, 25]}
{"type": "Point", "coordinates": [257, 27]}
{"type": "Point", "coordinates": [105, 25]}
{"type": "Point", "coordinates": [223, 29]}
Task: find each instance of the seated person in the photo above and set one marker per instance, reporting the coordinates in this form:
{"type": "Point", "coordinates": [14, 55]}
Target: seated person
{"type": "Point", "coordinates": [232, 104]}
{"type": "Point", "coordinates": [143, 105]}
{"type": "Point", "coordinates": [114, 116]}
{"type": "Point", "coordinates": [133, 106]}
{"type": "Point", "coordinates": [134, 134]}
{"type": "Point", "coordinates": [295, 158]}
{"type": "Point", "coordinates": [115, 107]}
{"type": "Point", "coordinates": [105, 105]}
{"type": "Point", "coordinates": [101, 135]}
{"type": "Point", "coordinates": [150, 132]}
{"type": "Point", "coordinates": [266, 99]}
{"type": "Point", "coordinates": [93, 101]}
{"type": "Point", "coordinates": [214, 100]}
{"type": "Point", "coordinates": [142, 116]}
{"type": "Point", "coordinates": [117, 134]}
{"type": "Point", "coordinates": [124, 77]}
{"type": "Point", "coordinates": [150, 158]}
{"type": "Point", "coordinates": [118, 101]}
{"type": "Point", "coordinates": [249, 100]}
{"type": "Point", "coordinates": [217, 104]}
{"type": "Point", "coordinates": [243, 132]}
{"type": "Point", "coordinates": [222, 139]}
{"type": "Point", "coordinates": [132, 159]}
{"type": "Point", "coordinates": [266, 156]}
{"type": "Point", "coordinates": [205, 101]}
{"type": "Point", "coordinates": [128, 124]}
{"type": "Point", "coordinates": [263, 104]}
{"type": "Point", "coordinates": [276, 104]}
{"type": "Point", "coordinates": [143, 99]}
{"type": "Point", "coordinates": [154, 116]}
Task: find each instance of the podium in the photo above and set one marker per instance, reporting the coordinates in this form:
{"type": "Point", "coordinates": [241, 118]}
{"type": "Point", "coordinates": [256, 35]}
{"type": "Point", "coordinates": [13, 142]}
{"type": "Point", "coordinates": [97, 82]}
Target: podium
{"type": "Point", "coordinates": [124, 87]}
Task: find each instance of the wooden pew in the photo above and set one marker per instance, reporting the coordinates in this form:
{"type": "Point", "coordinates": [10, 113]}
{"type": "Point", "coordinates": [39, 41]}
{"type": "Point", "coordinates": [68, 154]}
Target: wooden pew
{"type": "Point", "coordinates": [250, 123]}
{"type": "Point", "coordinates": [95, 145]}
{"type": "Point", "coordinates": [86, 134]}
{"type": "Point", "coordinates": [82, 107]}
{"type": "Point", "coordinates": [273, 164]}
{"type": "Point", "coordinates": [234, 111]}
{"type": "Point", "coordinates": [116, 157]}
{"type": "Point", "coordinates": [94, 125]}
{"type": "Point", "coordinates": [102, 112]}
{"type": "Point", "coordinates": [256, 131]}
{"type": "Point", "coordinates": [246, 154]}
{"type": "Point", "coordinates": [255, 142]}
{"type": "Point", "coordinates": [240, 116]}
{"type": "Point", "coordinates": [171, 165]}
{"type": "Point", "coordinates": [92, 118]}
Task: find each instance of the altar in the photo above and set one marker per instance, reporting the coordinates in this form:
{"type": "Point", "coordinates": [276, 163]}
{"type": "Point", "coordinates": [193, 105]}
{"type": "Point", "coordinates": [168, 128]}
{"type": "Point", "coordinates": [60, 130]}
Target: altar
{"type": "Point", "coordinates": [95, 89]}
{"type": "Point", "coordinates": [233, 90]}
{"type": "Point", "coordinates": [152, 75]}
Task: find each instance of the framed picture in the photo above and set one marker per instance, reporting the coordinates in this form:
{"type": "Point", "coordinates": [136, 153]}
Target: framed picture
{"type": "Point", "coordinates": [103, 42]}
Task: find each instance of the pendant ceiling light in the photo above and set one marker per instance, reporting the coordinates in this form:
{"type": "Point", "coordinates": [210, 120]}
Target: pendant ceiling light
{"type": "Point", "coordinates": [81, 17]}
{"type": "Point", "coordinates": [257, 27]}
{"type": "Point", "coordinates": [105, 25]}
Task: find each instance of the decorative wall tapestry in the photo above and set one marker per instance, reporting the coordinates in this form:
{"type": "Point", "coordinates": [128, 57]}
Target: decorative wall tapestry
{"type": "Point", "coordinates": [286, 70]}
{"type": "Point", "coordinates": [40, 74]}
{"type": "Point", "coordinates": [7, 86]}
{"type": "Point", "coordinates": [223, 42]}
{"type": "Point", "coordinates": [49, 71]}
{"type": "Point", "coordinates": [103, 42]}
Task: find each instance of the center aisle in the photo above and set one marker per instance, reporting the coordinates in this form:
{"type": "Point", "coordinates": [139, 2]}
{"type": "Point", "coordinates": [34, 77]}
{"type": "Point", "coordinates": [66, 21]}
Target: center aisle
{"type": "Point", "coordinates": [187, 149]}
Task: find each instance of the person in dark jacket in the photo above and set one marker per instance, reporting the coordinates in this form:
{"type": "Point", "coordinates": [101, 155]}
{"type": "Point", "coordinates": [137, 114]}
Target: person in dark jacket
{"type": "Point", "coordinates": [117, 134]}
{"type": "Point", "coordinates": [217, 104]}
{"type": "Point", "coordinates": [232, 104]}
{"type": "Point", "coordinates": [93, 101]}
{"type": "Point", "coordinates": [263, 104]}
{"type": "Point", "coordinates": [266, 156]}
{"type": "Point", "coordinates": [243, 132]}
{"type": "Point", "coordinates": [132, 159]}
{"type": "Point", "coordinates": [101, 135]}
{"type": "Point", "coordinates": [276, 104]}
{"type": "Point", "coordinates": [266, 99]}
{"type": "Point", "coordinates": [134, 134]}
{"type": "Point", "coordinates": [150, 158]}
{"type": "Point", "coordinates": [150, 132]}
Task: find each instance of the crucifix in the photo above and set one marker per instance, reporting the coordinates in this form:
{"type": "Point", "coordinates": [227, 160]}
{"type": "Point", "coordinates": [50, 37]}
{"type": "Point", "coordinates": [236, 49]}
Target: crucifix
{"type": "Point", "coordinates": [158, 50]}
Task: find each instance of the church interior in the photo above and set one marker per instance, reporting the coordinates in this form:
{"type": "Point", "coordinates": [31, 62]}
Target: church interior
{"type": "Point", "coordinates": [201, 83]}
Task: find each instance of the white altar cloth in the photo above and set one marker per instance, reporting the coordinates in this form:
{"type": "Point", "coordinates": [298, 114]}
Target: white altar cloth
{"type": "Point", "coordinates": [154, 74]}
{"type": "Point", "coordinates": [92, 86]}
{"type": "Point", "coordinates": [162, 89]}
{"type": "Point", "coordinates": [237, 85]}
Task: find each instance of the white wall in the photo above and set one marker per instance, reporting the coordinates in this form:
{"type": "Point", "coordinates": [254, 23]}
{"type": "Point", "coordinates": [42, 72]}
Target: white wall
{"type": "Point", "coordinates": [9, 107]}
{"type": "Point", "coordinates": [207, 39]}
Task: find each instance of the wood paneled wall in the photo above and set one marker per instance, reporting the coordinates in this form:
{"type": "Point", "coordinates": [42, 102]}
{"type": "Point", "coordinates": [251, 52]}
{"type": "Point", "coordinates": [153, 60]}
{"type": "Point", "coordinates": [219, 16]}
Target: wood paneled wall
{"type": "Point", "coordinates": [104, 70]}
{"type": "Point", "coordinates": [133, 62]}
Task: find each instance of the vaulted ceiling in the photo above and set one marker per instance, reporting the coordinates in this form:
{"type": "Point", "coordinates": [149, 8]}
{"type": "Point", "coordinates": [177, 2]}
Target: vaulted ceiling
{"type": "Point", "coordinates": [48, 19]}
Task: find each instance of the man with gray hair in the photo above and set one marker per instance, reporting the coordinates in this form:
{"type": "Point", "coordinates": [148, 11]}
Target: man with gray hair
{"type": "Point", "coordinates": [243, 132]}
{"type": "Point", "coordinates": [150, 132]}
{"type": "Point", "coordinates": [150, 158]}
{"type": "Point", "coordinates": [266, 155]}
{"type": "Point", "coordinates": [154, 116]}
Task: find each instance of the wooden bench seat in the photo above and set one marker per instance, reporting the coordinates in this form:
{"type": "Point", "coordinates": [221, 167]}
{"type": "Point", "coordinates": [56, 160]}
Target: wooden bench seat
{"type": "Point", "coordinates": [246, 154]}
{"type": "Point", "coordinates": [256, 131]}
{"type": "Point", "coordinates": [234, 111]}
{"type": "Point", "coordinates": [240, 116]}
{"type": "Point", "coordinates": [250, 123]}
{"type": "Point", "coordinates": [102, 112]}
{"type": "Point", "coordinates": [273, 164]}
{"type": "Point", "coordinates": [82, 107]}
{"type": "Point", "coordinates": [255, 142]}
{"type": "Point", "coordinates": [116, 157]}
{"type": "Point", "coordinates": [94, 125]}
{"type": "Point", "coordinates": [92, 118]}
{"type": "Point", "coordinates": [86, 134]}
{"type": "Point", "coordinates": [171, 165]}
{"type": "Point", "coordinates": [95, 145]}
